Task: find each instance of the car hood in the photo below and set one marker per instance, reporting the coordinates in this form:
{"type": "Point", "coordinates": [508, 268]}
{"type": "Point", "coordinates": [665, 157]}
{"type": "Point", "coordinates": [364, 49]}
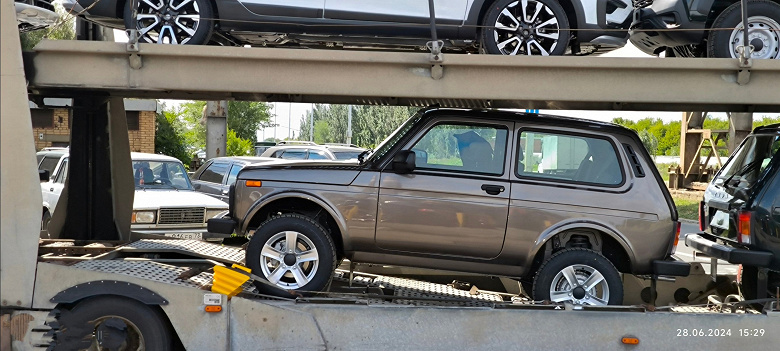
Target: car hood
{"type": "Point", "coordinates": [321, 172]}
{"type": "Point", "coordinates": [154, 198]}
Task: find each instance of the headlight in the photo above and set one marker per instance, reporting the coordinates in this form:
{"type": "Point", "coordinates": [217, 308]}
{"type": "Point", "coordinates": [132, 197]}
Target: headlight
{"type": "Point", "coordinates": [143, 216]}
{"type": "Point", "coordinates": [211, 213]}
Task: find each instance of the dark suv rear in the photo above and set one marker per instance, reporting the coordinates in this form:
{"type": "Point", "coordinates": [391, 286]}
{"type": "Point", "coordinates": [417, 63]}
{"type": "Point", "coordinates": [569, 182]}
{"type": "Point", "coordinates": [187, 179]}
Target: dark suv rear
{"type": "Point", "coordinates": [741, 208]}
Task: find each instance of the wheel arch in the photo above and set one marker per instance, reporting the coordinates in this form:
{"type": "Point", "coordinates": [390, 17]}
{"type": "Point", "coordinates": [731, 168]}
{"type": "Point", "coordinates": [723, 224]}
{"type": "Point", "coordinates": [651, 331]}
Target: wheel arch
{"type": "Point", "coordinates": [132, 291]}
{"type": "Point", "coordinates": [718, 6]}
{"type": "Point", "coordinates": [614, 245]}
{"type": "Point", "coordinates": [305, 203]}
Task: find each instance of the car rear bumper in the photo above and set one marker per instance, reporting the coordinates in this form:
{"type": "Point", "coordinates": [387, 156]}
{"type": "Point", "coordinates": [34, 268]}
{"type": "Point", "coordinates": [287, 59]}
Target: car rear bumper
{"type": "Point", "coordinates": [225, 225]}
{"type": "Point", "coordinates": [728, 253]}
{"type": "Point", "coordinates": [663, 24]}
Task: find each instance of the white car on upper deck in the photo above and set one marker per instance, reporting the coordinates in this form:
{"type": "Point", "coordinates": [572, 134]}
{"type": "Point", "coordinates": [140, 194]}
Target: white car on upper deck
{"type": "Point", "coordinates": [165, 202]}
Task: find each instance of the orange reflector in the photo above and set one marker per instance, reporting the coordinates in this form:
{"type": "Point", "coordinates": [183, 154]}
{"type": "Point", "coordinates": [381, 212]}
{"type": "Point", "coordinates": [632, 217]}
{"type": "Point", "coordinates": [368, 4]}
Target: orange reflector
{"type": "Point", "coordinates": [630, 341]}
{"type": "Point", "coordinates": [743, 227]}
{"type": "Point", "coordinates": [254, 183]}
{"type": "Point", "coordinates": [213, 308]}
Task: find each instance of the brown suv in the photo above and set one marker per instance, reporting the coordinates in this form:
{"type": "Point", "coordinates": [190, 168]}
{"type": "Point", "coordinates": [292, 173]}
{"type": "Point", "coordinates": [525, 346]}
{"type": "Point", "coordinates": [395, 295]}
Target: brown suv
{"type": "Point", "coordinates": [565, 204]}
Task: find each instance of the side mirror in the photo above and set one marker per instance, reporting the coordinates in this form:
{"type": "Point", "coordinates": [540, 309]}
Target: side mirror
{"type": "Point", "coordinates": [404, 161]}
{"type": "Point", "coordinates": [43, 175]}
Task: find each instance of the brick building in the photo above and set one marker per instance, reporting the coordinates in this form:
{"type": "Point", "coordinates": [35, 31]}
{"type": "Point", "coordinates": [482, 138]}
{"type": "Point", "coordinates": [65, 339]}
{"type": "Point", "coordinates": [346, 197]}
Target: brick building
{"type": "Point", "coordinates": [51, 125]}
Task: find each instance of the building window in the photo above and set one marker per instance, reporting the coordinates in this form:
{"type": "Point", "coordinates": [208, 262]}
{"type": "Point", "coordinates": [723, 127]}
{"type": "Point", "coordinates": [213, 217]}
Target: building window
{"type": "Point", "coordinates": [42, 117]}
{"type": "Point", "coordinates": [132, 120]}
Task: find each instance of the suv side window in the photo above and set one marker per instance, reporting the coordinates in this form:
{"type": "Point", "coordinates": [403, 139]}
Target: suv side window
{"type": "Point", "coordinates": [233, 173]}
{"type": "Point", "coordinates": [461, 147]}
{"type": "Point", "coordinates": [569, 158]}
{"type": "Point", "coordinates": [62, 175]}
{"type": "Point", "coordinates": [214, 173]}
{"type": "Point", "coordinates": [294, 154]}
{"type": "Point", "coordinates": [317, 155]}
{"type": "Point", "coordinates": [49, 162]}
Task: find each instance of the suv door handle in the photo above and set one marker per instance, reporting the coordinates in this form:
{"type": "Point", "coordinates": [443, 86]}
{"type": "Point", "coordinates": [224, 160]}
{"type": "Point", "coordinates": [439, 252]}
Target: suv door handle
{"type": "Point", "coordinates": [493, 189]}
{"type": "Point", "coordinates": [52, 189]}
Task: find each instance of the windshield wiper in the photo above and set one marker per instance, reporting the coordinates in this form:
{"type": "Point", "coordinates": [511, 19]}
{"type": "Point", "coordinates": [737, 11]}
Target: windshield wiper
{"type": "Point", "coordinates": [746, 168]}
{"type": "Point", "coordinates": [363, 154]}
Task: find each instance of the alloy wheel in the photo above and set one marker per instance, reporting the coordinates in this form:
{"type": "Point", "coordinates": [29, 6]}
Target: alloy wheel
{"type": "Point", "coordinates": [168, 21]}
{"type": "Point", "coordinates": [527, 27]}
{"type": "Point", "coordinates": [580, 284]}
{"type": "Point", "coordinates": [289, 260]}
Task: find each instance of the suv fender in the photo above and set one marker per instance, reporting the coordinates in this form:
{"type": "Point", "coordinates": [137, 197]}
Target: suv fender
{"type": "Point", "coordinates": [272, 197]}
{"type": "Point", "coordinates": [572, 224]}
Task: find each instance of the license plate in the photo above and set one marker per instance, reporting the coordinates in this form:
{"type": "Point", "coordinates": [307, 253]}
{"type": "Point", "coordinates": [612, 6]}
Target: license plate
{"type": "Point", "coordinates": [192, 236]}
{"type": "Point", "coordinates": [720, 220]}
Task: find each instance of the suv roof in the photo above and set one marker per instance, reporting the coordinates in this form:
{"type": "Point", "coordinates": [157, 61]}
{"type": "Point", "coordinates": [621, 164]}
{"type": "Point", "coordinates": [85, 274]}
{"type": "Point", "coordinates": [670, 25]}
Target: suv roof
{"type": "Point", "coordinates": [247, 159]}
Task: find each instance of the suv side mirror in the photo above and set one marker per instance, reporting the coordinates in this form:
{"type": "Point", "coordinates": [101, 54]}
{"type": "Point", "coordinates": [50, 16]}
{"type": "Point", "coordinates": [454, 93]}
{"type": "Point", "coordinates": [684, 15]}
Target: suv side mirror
{"type": "Point", "coordinates": [43, 175]}
{"type": "Point", "coordinates": [404, 161]}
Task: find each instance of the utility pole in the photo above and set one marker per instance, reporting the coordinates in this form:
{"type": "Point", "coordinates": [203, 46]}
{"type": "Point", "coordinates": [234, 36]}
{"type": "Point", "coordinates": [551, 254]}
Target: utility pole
{"type": "Point", "coordinates": [349, 124]}
{"type": "Point", "coordinates": [216, 128]}
{"type": "Point", "coordinates": [311, 126]}
{"type": "Point", "coordinates": [289, 120]}
{"type": "Point", "coordinates": [275, 103]}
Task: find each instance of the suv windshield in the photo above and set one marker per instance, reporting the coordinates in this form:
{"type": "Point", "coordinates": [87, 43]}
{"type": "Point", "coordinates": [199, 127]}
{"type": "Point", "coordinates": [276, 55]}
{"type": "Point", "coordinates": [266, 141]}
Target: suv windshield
{"type": "Point", "coordinates": [751, 159]}
{"type": "Point", "coordinates": [160, 175]}
{"type": "Point", "coordinates": [393, 139]}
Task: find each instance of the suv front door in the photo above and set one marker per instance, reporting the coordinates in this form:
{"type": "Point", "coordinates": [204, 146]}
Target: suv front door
{"type": "Point", "coordinates": [456, 200]}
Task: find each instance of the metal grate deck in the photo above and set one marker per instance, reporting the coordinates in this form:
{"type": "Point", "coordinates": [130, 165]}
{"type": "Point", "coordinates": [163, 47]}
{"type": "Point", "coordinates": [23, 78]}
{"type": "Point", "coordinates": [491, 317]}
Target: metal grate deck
{"type": "Point", "coordinates": [225, 254]}
{"type": "Point", "coordinates": [155, 271]}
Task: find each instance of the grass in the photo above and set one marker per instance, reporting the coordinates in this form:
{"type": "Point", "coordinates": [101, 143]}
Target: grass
{"type": "Point", "coordinates": [687, 208]}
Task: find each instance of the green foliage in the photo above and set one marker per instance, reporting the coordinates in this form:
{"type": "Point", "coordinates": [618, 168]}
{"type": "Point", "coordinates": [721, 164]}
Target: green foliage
{"type": "Point", "coordinates": [168, 138]}
{"type": "Point", "coordinates": [62, 30]}
{"type": "Point", "coordinates": [650, 142]}
{"type": "Point", "coordinates": [237, 146]}
{"type": "Point", "coordinates": [687, 208]}
{"type": "Point", "coordinates": [244, 118]}
{"type": "Point", "coordinates": [370, 124]}
{"type": "Point", "coordinates": [667, 135]}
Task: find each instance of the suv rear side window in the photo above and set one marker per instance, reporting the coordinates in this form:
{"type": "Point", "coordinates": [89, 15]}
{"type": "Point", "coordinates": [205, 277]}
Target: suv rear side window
{"type": "Point", "coordinates": [293, 155]}
{"type": "Point", "coordinates": [569, 158]}
{"type": "Point", "coordinates": [214, 173]}
{"type": "Point", "coordinates": [458, 147]}
{"type": "Point", "coordinates": [234, 173]}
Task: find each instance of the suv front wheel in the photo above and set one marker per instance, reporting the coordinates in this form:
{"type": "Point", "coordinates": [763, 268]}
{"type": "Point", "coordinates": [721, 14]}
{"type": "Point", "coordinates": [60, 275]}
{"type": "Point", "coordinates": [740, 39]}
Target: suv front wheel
{"type": "Point", "coordinates": [578, 276]}
{"type": "Point", "coordinates": [293, 252]}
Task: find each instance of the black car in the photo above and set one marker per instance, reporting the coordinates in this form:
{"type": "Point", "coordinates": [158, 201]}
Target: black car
{"type": "Point", "coordinates": [706, 28]}
{"type": "Point", "coordinates": [217, 175]}
{"type": "Point", "coordinates": [507, 27]}
{"type": "Point", "coordinates": [741, 208]}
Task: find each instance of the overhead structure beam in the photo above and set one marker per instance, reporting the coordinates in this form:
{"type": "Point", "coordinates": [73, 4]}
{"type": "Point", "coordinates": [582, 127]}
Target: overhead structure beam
{"type": "Point", "coordinates": [392, 78]}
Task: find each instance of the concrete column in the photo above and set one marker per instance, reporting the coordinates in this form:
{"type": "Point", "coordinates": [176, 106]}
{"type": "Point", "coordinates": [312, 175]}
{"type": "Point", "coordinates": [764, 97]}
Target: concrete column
{"type": "Point", "coordinates": [740, 125]}
{"type": "Point", "coordinates": [216, 128]}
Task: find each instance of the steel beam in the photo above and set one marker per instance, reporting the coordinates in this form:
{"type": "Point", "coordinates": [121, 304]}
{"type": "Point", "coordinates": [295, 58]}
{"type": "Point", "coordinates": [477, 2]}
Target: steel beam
{"type": "Point", "coordinates": [362, 77]}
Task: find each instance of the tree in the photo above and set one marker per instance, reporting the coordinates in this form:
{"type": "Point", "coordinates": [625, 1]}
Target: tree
{"type": "Point", "coordinates": [62, 30]}
{"type": "Point", "coordinates": [237, 146]}
{"type": "Point", "coordinates": [650, 142]}
{"type": "Point", "coordinates": [244, 117]}
{"type": "Point", "coordinates": [370, 124]}
{"type": "Point", "coordinates": [168, 138]}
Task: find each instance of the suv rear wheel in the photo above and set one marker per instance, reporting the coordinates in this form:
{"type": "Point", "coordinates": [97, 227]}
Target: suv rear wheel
{"type": "Point", "coordinates": [579, 276]}
{"type": "Point", "coordinates": [293, 252]}
{"type": "Point", "coordinates": [525, 27]}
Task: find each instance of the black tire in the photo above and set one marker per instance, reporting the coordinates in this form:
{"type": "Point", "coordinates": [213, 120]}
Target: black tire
{"type": "Point", "coordinates": [45, 220]}
{"type": "Point", "coordinates": [748, 284]}
{"type": "Point", "coordinates": [580, 262]}
{"type": "Point", "coordinates": [764, 22]}
{"type": "Point", "coordinates": [308, 233]}
{"type": "Point", "coordinates": [203, 29]}
{"type": "Point", "coordinates": [142, 323]}
{"type": "Point", "coordinates": [527, 33]}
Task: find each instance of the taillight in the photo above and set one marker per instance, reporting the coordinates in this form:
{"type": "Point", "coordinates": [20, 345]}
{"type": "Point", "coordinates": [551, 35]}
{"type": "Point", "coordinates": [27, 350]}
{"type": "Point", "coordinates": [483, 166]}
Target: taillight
{"type": "Point", "coordinates": [743, 227]}
{"type": "Point", "coordinates": [702, 217]}
{"type": "Point", "coordinates": [676, 236]}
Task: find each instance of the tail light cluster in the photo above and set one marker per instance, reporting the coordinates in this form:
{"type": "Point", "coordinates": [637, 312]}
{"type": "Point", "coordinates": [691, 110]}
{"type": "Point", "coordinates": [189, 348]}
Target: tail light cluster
{"type": "Point", "coordinates": [676, 236]}
{"type": "Point", "coordinates": [743, 227]}
{"type": "Point", "coordinates": [702, 217]}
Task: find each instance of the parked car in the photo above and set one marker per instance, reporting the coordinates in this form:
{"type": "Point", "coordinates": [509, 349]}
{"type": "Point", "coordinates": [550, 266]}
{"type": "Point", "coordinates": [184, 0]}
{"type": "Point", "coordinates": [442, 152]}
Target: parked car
{"type": "Point", "coordinates": [709, 28]}
{"type": "Point", "coordinates": [462, 190]}
{"type": "Point", "coordinates": [506, 27]}
{"type": "Point", "coordinates": [312, 151]}
{"type": "Point", "coordinates": [741, 208]}
{"type": "Point", "coordinates": [216, 176]}
{"type": "Point", "coordinates": [164, 202]}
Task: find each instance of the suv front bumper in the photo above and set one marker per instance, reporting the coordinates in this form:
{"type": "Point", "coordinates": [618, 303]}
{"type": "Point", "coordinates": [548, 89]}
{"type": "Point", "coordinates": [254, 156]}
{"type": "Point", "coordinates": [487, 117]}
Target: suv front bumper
{"type": "Point", "coordinates": [664, 24]}
{"type": "Point", "coordinates": [728, 253]}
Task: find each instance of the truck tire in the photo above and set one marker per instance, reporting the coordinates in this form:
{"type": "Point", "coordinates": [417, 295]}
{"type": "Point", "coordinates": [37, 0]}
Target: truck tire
{"type": "Point", "coordinates": [579, 276]}
{"type": "Point", "coordinates": [118, 321]}
{"type": "Point", "coordinates": [764, 24]}
{"type": "Point", "coordinates": [304, 268]}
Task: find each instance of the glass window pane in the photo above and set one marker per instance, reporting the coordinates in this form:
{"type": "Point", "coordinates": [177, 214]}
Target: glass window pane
{"type": "Point", "coordinates": [294, 154]}
{"type": "Point", "coordinates": [62, 175]}
{"type": "Point", "coordinates": [49, 162]}
{"type": "Point", "coordinates": [233, 173]}
{"type": "Point", "coordinates": [467, 148]}
{"type": "Point", "coordinates": [214, 173]}
{"type": "Point", "coordinates": [317, 155]}
{"type": "Point", "coordinates": [568, 158]}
